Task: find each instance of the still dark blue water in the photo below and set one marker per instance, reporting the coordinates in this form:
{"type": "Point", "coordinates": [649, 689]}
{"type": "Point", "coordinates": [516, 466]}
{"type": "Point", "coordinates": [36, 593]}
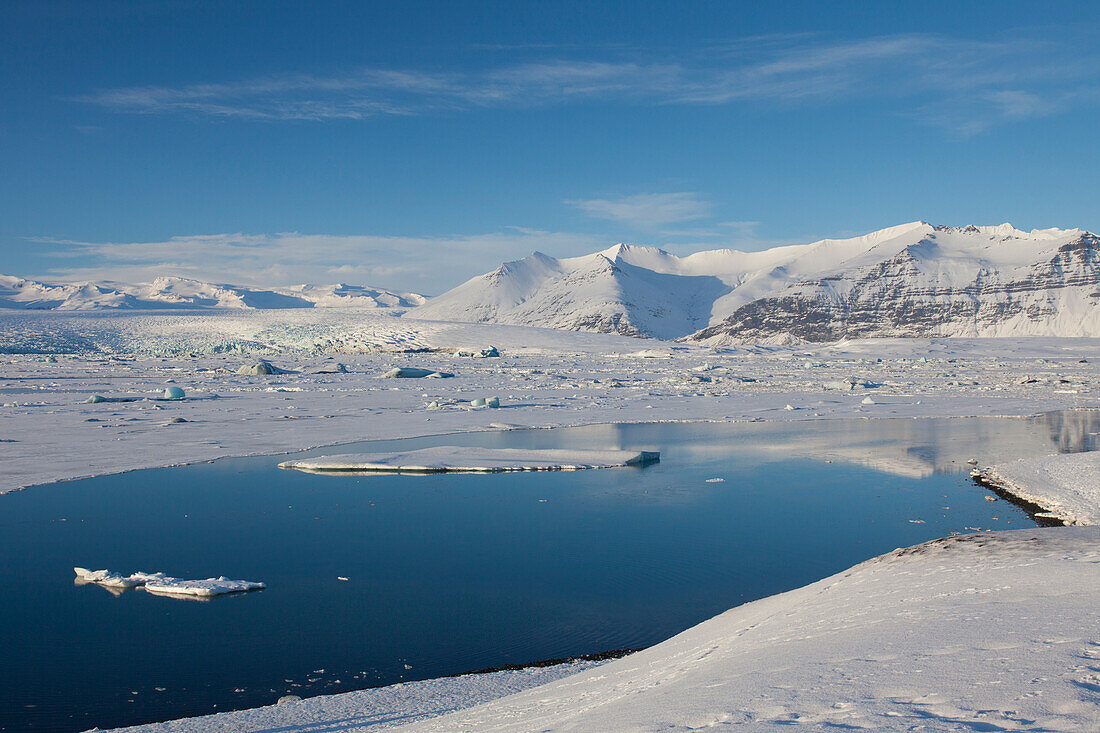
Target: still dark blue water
{"type": "Point", "coordinates": [451, 573]}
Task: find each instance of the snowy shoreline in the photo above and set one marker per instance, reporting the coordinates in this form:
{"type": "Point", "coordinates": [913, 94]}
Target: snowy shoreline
{"type": "Point", "coordinates": [1066, 486]}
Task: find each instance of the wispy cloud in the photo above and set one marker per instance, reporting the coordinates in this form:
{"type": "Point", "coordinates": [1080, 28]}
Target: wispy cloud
{"type": "Point", "coordinates": [647, 210]}
{"type": "Point", "coordinates": [939, 79]}
{"type": "Point", "coordinates": [422, 264]}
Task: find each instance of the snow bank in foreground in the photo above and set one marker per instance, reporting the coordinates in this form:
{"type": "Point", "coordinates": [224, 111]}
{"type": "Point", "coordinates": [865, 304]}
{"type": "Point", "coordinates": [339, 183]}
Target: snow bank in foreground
{"type": "Point", "coordinates": [1067, 486]}
{"type": "Point", "coordinates": [456, 459]}
{"type": "Point", "coordinates": [377, 709]}
{"type": "Point", "coordinates": [992, 631]}
{"type": "Point", "coordinates": [162, 584]}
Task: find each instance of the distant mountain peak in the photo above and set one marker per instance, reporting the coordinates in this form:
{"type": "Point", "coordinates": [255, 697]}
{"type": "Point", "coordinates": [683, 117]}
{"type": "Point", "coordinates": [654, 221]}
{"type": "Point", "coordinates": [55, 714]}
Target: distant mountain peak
{"type": "Point", "coordinates": [907, 280]}
{"type": "Point", "coordinates": [169, 292]}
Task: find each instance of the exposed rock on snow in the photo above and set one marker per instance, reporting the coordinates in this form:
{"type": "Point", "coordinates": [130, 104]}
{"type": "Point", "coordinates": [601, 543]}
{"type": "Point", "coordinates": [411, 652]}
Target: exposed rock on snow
{"type": "Point", "coordinates": [908, 280]}
{"type": "Point", "coordinates": [455, 459]}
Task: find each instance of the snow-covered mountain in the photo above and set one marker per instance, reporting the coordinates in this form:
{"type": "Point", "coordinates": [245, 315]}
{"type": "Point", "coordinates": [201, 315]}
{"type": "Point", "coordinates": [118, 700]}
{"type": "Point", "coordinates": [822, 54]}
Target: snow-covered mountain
{"type": "Point", "coordinates": [908, 280]}
{"type": "Point", "coordinates": [180, 293]}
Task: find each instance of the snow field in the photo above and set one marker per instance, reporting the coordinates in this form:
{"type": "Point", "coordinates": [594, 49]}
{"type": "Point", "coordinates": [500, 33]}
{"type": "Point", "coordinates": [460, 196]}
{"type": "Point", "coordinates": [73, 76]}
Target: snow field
{"type": "Point", "coordinates": [543, 379]}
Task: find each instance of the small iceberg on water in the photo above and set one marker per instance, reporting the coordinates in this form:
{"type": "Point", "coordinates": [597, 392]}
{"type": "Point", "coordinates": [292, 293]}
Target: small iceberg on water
{"type": "Point", "coordinates": [455, 459]}
{"type": "Point", "coordinates": [161, 584]}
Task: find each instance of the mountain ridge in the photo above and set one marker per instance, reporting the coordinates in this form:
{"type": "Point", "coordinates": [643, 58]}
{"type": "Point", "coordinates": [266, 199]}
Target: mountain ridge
{"type": "Point", "coordinates": [174, 293]}
{"type": "Point", "coordinates": [912, 279]}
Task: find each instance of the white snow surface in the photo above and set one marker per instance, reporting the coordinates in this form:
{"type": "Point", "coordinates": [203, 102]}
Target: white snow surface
{"type": "Point", "coordinates": [457, 459]}
{"type": "Point", "coordinates": [1066, 486]}
{"type": "Point", "coordinates": [545, 378]}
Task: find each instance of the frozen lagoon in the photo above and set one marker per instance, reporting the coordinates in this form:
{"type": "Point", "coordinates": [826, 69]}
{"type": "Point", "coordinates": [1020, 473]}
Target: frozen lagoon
{"type": "Point", "coordinates": [451, 573]}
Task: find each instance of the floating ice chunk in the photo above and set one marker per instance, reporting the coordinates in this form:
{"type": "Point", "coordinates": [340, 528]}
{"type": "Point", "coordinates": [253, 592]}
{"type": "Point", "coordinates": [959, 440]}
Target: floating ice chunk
{"type": "Point", "coordinates": [261, 368]}
{"type": "Point", "coordinates": [454, 459]}
{"type": "Point", "coordinates": [107, 578]}
{"type": "Point", "coordinates": [173, 393]}
{"type": "Point", "coordinates": [414, 373]}
{"type": "Point", "coordinates": [160, 583]}
{"type": "Point", "coordinates": [716, 481]}
{"type": "Point", "coordinates": [209, 587]}
{"type": "Point", "coordinates": [867, 401]}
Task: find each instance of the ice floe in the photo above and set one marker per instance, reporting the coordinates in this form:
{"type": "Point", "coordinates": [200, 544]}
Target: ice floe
{"type": "Point", "coordinates": [208, 587]}
{"type": "Point", "coordinates": [161, 584]}
{"type": "Point", "coordinates": [456, 459]}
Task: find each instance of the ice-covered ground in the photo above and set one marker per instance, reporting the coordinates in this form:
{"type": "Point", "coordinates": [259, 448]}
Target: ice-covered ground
{"type": "Point", "coordinates": [544, 379]}
{"type": "Point", "coordinates": [990, 632]}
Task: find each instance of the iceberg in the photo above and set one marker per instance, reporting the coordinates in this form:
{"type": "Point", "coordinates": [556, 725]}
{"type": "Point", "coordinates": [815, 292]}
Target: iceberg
{"type": "Point", "coordinates": [458, 459]}
{"type": "Point", "coordinates": [261, 368]}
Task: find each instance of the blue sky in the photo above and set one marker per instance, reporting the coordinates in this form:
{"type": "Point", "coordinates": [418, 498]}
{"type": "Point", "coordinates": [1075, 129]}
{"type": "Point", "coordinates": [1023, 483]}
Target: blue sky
{"type": "Point", "coordinates": [413, 145]}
